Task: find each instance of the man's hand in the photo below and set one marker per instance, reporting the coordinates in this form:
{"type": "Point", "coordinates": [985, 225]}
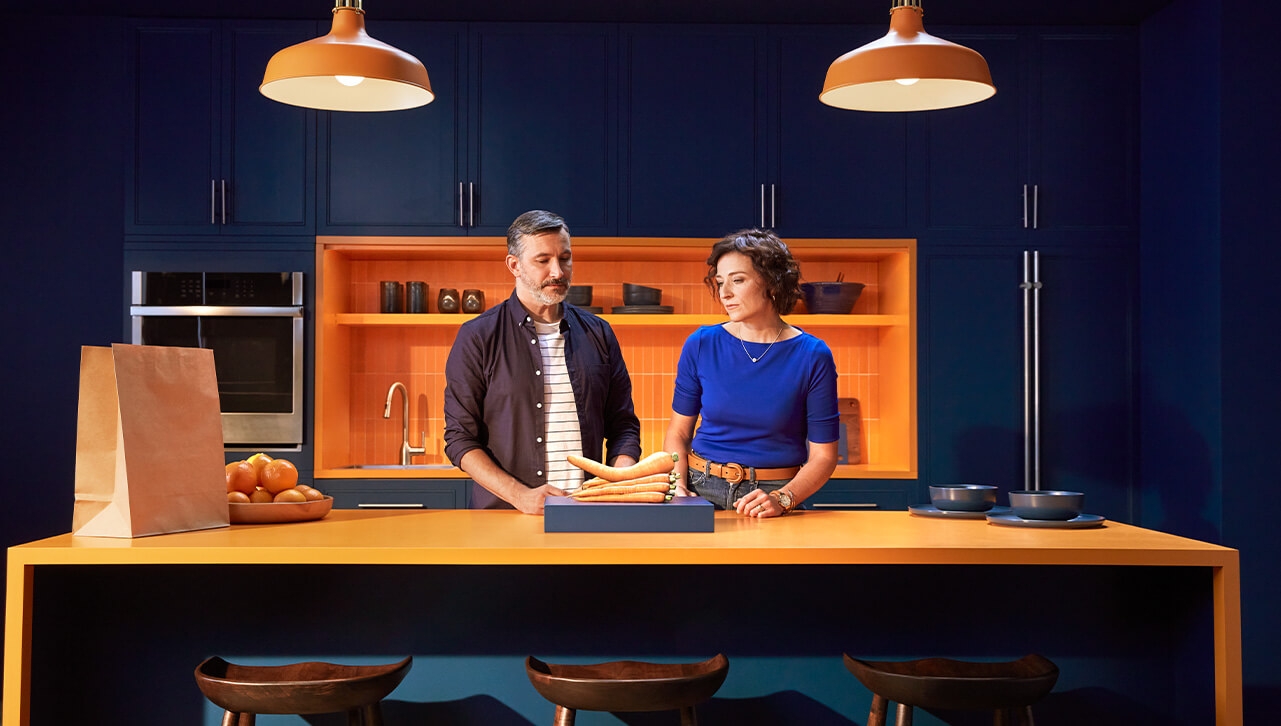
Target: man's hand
{"type": "Point", "coordinates": [530, 501]}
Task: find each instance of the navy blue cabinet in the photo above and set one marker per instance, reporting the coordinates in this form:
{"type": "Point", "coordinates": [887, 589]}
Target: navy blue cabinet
{"type": "Point", "coordinates": [832, 172]}
{"type": "Point", "coordinates": [1055, 150]}
{"type": "Point", "coordinates": [723, 129]}
{"type": "Point", "coordinates": [209, 154]}
{"type": "Point", "coordinates": [511, 129]}
{"type": "Point", "coordinates": [971, 378]}
{"type": "Point", "coordinates": [396, 493]}
{"type": "Point", "coordinates": [693, 144]}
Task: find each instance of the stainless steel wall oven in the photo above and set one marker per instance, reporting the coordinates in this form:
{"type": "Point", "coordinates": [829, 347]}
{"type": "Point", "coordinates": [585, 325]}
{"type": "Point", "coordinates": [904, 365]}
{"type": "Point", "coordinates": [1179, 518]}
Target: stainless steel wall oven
{"type": "Point", "coordinates": [253, 322]}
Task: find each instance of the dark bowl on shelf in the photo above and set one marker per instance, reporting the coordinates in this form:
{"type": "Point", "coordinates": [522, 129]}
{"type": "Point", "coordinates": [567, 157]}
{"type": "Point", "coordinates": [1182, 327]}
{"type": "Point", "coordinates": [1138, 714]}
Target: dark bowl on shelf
{"type": "Point", "coordinates": [831, 298]}
{"type": "Point", "coordinates": [963, 497]}
{"type": "Point", "coordinates": [580, 295]}
{"type": "Point", "coordinates": [634, 294]}
{"type": "Point", "coordinates": [1046, 504]}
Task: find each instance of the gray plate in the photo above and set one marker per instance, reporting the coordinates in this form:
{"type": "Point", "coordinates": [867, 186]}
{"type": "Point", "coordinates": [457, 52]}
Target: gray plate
{"type": "Point", "coordinates": [1082, 521]}
{"type": "Point", "coordinates": [929, 510]}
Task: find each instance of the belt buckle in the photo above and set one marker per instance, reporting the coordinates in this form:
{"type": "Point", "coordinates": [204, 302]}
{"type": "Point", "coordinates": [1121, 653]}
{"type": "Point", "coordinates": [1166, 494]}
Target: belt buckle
{"type": "Point", "coordinates": [732, 473]}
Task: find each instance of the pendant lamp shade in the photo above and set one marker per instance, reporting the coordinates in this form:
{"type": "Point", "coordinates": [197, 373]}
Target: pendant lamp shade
{"type": "Point", "coordinates": [347, 70]}
{"type": "Point", "coordinates": [907, 70]}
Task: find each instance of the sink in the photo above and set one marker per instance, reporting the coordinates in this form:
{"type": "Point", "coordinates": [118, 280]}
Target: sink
{"type": "Point", "coordinates": [398, 466]}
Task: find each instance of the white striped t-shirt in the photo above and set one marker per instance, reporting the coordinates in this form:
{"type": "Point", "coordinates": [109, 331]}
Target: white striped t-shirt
{"type": "Point", "coordinates": [563, 436]}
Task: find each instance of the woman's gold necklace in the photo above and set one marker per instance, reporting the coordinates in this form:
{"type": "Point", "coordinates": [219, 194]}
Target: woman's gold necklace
{"type": "Point", "coordinates": [771, 345]}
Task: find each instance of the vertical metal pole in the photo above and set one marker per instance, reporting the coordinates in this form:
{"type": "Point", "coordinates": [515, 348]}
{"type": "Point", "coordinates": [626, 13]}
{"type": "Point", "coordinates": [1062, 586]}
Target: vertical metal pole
{"type": "Point", "coordinates": [1026, 286]}
{"type": "Point", "coordinates": [1036, 370]}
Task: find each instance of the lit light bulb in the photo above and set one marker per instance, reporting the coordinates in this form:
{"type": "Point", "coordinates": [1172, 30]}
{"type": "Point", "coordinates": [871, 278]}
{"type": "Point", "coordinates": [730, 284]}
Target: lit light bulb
{"type": "Point", "coordinates": [350, 80]}
{"type": "Point", "coordinates": [906, 81]}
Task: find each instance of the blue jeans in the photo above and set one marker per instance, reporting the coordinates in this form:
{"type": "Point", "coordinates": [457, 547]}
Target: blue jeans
{"type": "Point", "coordinates": [722, 494]}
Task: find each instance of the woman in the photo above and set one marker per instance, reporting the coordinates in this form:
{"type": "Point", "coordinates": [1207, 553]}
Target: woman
{"type": "Point", "coordinates": [766, 391]}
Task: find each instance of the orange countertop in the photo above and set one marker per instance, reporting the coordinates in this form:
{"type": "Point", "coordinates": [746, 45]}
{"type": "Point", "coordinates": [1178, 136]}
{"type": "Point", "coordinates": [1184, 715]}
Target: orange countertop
{"type": "Point", "coordinates": [466, 537]}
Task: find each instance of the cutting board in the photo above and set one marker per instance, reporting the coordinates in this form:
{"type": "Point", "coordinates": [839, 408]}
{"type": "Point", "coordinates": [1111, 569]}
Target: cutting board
{"type": "Point", "coordinates": [850, 448]}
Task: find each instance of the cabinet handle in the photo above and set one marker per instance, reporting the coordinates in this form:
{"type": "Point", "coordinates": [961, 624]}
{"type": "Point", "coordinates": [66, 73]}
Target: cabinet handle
{"type": "Point", "coordinates": [1031, 370]}
{"type": "Point", "coordinates": [1024, 206]}
{"type": "Point", "coordinates": [471, 204]}
{"type": "Point", "coordinates": [406, 505]}
{"type": "Point", "coordinates": [224, 201]}
{"type": "Point", "coordinates": [213, 201]}
{"type": "Point", "coordinates": [1036, 204]}
{"type": "Point", "coordinates": [849, 505]}
{"type": "Point", "coordinates": [462, 221]}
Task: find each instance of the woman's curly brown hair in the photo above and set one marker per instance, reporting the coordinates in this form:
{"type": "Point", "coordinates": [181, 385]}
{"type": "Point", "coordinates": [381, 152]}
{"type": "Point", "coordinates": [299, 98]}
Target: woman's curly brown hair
{"type": "Point", "coordinates": [770, 258]}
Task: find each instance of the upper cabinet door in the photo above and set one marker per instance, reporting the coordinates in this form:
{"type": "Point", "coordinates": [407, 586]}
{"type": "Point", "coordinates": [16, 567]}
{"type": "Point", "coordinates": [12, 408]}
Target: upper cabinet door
{"type": "Point", "coordinates": [174, 169]}
{"type": "Point", "coordinates": [692, 160]}
{"type": "Point", "coordinates": [833, 172]}
{"type": "Point", "coordinates": [400, 172]}
{"type": "Point", "coordinates": [1055, 150]}
{"type": "Point", "coordinates": [976, 159]}
{"type": "Point", "coordinates": [269, 154]}
{"type": "Point", "coordinates": [209, 154]}
{"type": "Point", "coordinates": [544, 125]}
{"type": "Point", "coordinates": [1085, 127]}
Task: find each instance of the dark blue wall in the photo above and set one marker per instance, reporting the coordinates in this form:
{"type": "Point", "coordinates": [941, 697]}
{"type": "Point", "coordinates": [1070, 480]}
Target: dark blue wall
{"type": "Point", "coordinates": [1211, 308]}
{"type": "Point", "coordinates": [60, 171]}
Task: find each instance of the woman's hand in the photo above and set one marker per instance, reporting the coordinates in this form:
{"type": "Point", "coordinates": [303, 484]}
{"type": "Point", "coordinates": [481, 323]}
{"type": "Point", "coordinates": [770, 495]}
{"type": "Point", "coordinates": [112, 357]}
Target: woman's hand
{"type": "Point", "coordinates": [757, 504]}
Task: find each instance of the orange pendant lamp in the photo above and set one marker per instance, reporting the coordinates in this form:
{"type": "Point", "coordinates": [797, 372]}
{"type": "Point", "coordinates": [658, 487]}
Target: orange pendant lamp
{"type": "Point", "coordinates": [347, 70]}
{"type": "Point", "coordinates": [907, 70]}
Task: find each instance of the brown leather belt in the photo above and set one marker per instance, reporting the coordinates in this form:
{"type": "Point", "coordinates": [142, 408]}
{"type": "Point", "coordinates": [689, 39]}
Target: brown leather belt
{"type": "Point", "coordinates": [735, 473]}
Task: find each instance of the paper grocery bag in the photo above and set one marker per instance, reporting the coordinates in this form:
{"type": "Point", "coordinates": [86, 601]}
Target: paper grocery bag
{"type": "Point", "coordinates": [149, 456]}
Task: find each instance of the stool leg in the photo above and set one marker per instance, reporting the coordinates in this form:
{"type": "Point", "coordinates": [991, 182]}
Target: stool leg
{"type": "Point", "coordinates": [564, 716]}
{"type": "Point", "coordinates": [1021, 716]}
{"type": "Point", "coordinates": [904, 715]}
{"type": "Point", "coordinates": [688, 716]}
{"type": "Point", "coordinates": [880, 707]}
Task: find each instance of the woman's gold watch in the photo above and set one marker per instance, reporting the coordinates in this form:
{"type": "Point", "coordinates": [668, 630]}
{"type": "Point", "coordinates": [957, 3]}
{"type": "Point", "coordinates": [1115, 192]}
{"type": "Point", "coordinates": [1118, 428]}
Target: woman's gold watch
{"type": "Point", "coordinates": [784, 499]}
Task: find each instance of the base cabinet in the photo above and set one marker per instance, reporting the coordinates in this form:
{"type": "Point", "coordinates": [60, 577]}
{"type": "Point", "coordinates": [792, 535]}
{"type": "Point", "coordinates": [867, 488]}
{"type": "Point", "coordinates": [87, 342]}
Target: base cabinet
{"type": "Point", "coordinates": [397, 493]}
{"type": "Point", "coordinates": [867, 494]}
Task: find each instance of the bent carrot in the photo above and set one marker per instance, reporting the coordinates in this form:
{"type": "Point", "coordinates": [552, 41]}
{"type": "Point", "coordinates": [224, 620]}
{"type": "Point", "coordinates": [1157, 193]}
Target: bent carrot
{"type": "Point", "coordinates": [661, 486]}
{"type": "Point", "coordinates": [659, 462]}
{"type": "Point", "coordinates": [669, 477]}
{"type": "Point", "coordinates": [643, 497]}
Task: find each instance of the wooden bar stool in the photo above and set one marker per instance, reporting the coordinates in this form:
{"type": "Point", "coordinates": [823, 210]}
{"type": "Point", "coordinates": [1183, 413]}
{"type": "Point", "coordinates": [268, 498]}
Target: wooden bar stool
{"type": "Point", "coordinates": [627, 685]}
{"type": "Point", "coordinates": [299, 688]}
{"type": "Point", "coordinates": [1007, 689]}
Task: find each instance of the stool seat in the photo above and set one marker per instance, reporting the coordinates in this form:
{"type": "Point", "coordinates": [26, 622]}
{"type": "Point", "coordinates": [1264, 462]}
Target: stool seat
{"type": "Point", "coordinates": [298, 688]}
{"type": "Point", "coordinates": [627, 685]}
{"type": "Point", "coordinates": [1007, 688]}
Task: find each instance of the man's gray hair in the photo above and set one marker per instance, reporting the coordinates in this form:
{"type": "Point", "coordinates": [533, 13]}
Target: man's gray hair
{"type": "Point", "coordinates": [533, 222]}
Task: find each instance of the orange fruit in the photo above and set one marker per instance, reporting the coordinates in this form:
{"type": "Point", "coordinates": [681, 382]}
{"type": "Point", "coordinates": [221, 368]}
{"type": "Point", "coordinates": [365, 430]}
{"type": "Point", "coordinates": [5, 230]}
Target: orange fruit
{"type": "Point", "coordinates": [278, 475]}
{"type": "Point", "coordinates": [260, 496]}
{"type": "Point", "coordinates": [237, 498]}
{"type": "Point", "coordinates": [258, 461]}
{"type": "Point", "coordinates": [241, 477]}
{"type": "Point", "coordinates": [290, 495]}
{"type": "Point", "coordinates": [311, 493]}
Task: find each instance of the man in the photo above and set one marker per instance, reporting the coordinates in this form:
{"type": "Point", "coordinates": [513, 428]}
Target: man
{"type": "Point", "coordinates": [534, 379]}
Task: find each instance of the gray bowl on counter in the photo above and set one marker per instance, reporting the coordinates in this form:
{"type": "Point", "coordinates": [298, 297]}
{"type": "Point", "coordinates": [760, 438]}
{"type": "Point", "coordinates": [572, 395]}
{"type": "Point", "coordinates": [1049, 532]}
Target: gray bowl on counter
{"type": "Point", "coordinates": [1046, 504]}
{"type": "Point", "coordinates": [963, 497]}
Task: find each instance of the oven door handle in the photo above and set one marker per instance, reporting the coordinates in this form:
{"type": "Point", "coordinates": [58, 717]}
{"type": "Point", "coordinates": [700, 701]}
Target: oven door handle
{"type": "Point", "coordinates": [189, 311]}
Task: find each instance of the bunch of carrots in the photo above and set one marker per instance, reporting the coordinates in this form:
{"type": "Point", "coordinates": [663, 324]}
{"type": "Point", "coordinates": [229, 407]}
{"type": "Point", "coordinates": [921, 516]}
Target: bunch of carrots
{"type": "Point", "coordinates": [651, 480]}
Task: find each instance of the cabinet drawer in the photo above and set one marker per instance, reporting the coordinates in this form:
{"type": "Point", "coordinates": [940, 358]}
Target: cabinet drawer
{"type": "Point", "coordinates": [397, 493]}
{"type": "Point", "coordinates": [853, 494]}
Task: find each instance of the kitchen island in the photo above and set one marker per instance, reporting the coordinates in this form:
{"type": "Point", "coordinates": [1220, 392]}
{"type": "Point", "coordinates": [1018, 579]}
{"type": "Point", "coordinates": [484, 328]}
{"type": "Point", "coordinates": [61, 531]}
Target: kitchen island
{"type": "Point", "coordinates": [455, 571]}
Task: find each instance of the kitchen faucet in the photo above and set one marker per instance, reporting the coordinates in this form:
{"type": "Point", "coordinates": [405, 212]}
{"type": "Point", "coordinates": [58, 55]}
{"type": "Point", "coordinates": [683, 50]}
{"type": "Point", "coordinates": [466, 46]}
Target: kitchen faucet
{"type": "Point", "coordinates": [406, 450]}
